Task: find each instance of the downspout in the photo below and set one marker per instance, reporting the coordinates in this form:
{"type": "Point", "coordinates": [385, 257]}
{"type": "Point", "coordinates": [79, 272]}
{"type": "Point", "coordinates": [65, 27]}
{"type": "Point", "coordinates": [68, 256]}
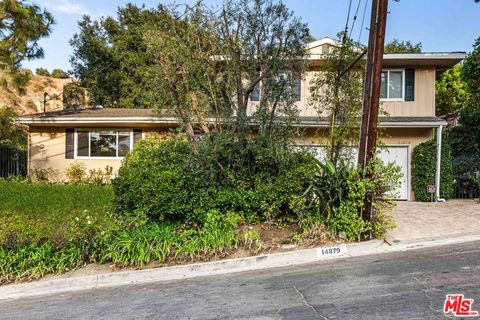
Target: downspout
{"type": "Point", "coordinates": [439, 164]}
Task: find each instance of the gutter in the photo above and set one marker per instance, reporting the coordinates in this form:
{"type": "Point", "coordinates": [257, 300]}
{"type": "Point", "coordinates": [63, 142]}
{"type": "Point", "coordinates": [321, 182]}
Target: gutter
{"type": "Point", "coordinates": [173, 120]}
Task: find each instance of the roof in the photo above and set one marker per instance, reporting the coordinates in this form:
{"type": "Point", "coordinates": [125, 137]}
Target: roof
{"type": "Point", "coordinates": [131, 117]}
{"type": "Point", "coordinates": [440, 60]}
{"type": "Point", "coordinates": [94, 113]}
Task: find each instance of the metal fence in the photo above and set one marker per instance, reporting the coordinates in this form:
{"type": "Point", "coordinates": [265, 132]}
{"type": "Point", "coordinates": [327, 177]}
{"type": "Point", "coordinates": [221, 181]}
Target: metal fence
{"type": "Point", "coordinates": [13, 162]}
{"type": "Point", "coordinates": [465, 186]}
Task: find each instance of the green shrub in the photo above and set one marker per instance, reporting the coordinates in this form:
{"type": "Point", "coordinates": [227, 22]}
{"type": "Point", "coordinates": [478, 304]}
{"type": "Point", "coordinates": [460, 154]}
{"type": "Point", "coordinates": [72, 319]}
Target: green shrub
{"type": "Point", "coordinates": [154, 179]}
{"type": "Point", "coordinates": [166, 182]}
{"type": "Point", "coordinates": [424, 164]}
{"type": "Point", "coordinates": [76, 172]}
{"type": "Point", "coordinates": [336, 197]}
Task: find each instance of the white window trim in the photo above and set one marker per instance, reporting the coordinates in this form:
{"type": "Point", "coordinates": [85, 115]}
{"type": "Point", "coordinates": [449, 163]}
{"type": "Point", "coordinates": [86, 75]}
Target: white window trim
{"type": "Point", "coordinates": [75, 143]}
{"type": "Point", "coordinates": [388, 82]}
{"type": "Point", "coordinates": [300, 99]}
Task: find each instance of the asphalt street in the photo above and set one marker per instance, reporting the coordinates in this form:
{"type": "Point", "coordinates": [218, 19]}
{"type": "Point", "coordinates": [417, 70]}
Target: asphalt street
{"type": "Point", "coordinates": [405, 285]}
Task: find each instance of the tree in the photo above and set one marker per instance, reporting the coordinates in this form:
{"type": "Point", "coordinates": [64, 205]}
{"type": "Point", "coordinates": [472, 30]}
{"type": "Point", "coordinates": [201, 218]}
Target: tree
{"type": "Point", "coordinates": [73, 95]}
{"type": "Point", "coordinates": [401, 46]}
{"type": "Point", "coordinates": [42, 72]}
{"type": "Point", "coordinates": [10, 133]}
{"type": "Point", "coordinates": [450, 91]}
{"type": "Point", "coordinates": [470, 114]}
{"type": "Point", "coordinates": [209, 65]}
{"type": "Point", "coordinates": [336, 92]}
{"type": "Point", "coordinates": [110, 57]}
{"type": "Point", "coordinates": [264, 45]}
{"type": "Point", "coordinates": [59, 73]}
{"type": "Point", "coordinates": [22, 25]}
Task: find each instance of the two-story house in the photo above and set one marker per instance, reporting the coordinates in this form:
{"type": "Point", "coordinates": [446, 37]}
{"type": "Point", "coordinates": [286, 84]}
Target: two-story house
{"type": "Point", "coordinates": [101, 136]}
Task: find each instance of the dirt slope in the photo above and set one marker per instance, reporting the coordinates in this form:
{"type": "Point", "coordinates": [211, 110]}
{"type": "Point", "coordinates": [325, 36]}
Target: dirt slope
{"type": "Point", "coordinates": [32, 100]}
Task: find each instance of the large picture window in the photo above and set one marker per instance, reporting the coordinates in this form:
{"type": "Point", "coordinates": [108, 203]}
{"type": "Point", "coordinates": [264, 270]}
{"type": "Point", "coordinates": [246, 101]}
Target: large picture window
{"type": "Point", "coordinates": [392, 85]}
{"type": "Point", "coordinates": [103, 143]}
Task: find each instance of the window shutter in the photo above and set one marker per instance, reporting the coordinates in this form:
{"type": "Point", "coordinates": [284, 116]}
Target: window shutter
{"type": "Point", "coordinates": [69, 143]}
{"type": "Point", "coordinates": [409, 84]}
{"type": "Point", "coordinates": [137, 135]}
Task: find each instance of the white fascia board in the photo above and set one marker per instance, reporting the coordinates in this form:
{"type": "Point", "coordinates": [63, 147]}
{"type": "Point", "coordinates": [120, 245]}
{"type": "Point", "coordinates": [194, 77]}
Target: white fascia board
{"type": "Point", "coordinates": [386, 124]}
{"type": "Point", "coordinates": [425, 56]}
{"type": "Point", "coordinates": [81, 120]}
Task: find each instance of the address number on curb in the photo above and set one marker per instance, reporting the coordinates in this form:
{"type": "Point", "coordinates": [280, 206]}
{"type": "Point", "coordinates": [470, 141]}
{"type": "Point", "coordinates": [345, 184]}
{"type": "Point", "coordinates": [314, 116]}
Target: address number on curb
{"type": "Point", "coordinates": [332, 251]}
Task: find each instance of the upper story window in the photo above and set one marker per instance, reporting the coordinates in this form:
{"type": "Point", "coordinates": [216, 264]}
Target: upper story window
{"type": "Point", "coordinates": [294, 84]}
{"type": "Point", "coordinates": [392, 86]}
{"type": "Point", "coordinates": [103, 144]}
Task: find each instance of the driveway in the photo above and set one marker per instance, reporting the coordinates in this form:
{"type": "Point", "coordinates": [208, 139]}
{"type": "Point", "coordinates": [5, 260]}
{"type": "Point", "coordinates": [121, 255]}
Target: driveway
{"type": "Point", "coordinates": [431, 221]}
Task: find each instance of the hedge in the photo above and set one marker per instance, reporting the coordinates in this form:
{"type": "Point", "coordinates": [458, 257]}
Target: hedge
{"type": "Point", "coordinates": [424, 164]}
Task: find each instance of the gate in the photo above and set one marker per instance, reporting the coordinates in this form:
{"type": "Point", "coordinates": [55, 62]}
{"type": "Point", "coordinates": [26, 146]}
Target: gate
{"type": "Point", "coordinates": [465, 186]}
{"type": "Point", "coordinates": [13, 161]}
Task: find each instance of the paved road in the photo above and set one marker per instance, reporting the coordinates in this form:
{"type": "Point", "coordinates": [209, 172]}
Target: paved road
{"type": "Point", "coordinates": [407, 285]}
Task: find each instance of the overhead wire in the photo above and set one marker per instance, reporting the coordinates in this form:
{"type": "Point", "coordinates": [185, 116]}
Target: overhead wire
{"type": "Point", "coordinates": [363, 20]}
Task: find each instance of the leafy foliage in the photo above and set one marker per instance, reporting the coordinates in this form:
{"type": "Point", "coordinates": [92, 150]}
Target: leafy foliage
{"type": "Point", "coordinates": [110, 57]}
{"type": "Point", "coordinates": [336, 196]}
{"type": "Point", "coordinates": [22, 25]}
{"type": "Point", "coordinates": [424, 159]}
{"type": "Point", "coordinates": [402, 46]}
{"type": "Point", "coordinates": [450, 91]}
{"type": "Point", "coordinates": [470, 114]}
{"type": "Point", "coordinates": [166, 182]}
{"type": "Point", "coordinates": [336, 92]}
{"type": "Point", "coordinates": [42, 72]}
{"type": "Point", "coordinates": [59, 73]}
{"type": "Point", "coordinates": [10, 132]}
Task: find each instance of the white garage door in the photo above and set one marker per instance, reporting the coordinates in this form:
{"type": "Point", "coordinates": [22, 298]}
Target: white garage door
{"type": "Point", "coordinates": [396, 154]}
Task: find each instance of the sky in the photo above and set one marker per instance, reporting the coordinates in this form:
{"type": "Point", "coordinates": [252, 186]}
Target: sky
{"type": "Point", "coordinates": [440, 25]}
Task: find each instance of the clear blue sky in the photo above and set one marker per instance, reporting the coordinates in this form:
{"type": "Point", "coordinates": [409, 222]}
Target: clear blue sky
{"type": "Point", "coordinates": [441, 25]}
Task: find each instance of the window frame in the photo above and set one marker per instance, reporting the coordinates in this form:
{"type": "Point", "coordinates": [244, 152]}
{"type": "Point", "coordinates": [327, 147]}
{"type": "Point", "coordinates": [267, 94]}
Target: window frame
{"type": "Point", "coordinates": [388, 83]}
{"type": "Point", "coordinates": [289, 74]}
{"type": "Point", "coordinates": [90, 130]}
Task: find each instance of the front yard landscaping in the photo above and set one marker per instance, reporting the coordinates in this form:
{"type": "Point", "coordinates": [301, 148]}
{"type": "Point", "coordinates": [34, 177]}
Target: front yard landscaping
{"type": "Point", "coordinates": [169, 206]}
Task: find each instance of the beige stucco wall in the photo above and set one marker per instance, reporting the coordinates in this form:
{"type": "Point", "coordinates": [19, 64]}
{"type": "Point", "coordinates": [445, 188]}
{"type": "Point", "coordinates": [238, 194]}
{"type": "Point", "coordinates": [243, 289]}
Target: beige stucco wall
{"type": "Point", "coordinates": [47, 146]}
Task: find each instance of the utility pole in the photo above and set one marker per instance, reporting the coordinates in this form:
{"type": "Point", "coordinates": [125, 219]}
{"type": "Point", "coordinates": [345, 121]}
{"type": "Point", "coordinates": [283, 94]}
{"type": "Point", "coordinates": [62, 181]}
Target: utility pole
{"type": "Point", "coordinates": [371, 93]}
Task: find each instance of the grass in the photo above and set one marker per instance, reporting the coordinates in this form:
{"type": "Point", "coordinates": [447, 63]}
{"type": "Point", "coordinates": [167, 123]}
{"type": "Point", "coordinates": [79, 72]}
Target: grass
{"type": "Point", "coordinates": [37, 212]}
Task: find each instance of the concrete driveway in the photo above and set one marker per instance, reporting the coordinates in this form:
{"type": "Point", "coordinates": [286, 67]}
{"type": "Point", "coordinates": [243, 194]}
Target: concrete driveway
{"type": "Point", "coordinates": [423, 221]}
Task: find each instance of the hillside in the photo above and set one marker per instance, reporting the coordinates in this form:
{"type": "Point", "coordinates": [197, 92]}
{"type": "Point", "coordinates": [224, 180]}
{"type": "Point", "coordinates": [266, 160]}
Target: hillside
{"type": "Point", "coordinates": [32, 100]}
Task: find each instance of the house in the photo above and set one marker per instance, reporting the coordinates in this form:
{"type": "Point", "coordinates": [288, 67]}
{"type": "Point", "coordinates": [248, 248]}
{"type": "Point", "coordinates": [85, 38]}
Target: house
{"type": "Point", "coordinates": [100, 136]}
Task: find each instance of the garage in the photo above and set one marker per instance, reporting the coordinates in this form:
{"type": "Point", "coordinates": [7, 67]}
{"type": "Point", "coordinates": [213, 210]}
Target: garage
{"type": "Point", "coordinates": [398, 154]}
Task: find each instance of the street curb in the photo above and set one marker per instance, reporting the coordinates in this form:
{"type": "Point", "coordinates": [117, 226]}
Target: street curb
{"type": "Point", "coordinates": [284, 259]}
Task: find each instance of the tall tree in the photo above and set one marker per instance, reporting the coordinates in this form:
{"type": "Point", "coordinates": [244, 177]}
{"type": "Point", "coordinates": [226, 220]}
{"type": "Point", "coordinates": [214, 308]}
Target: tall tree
{"type": "Point", "coordinates": [450, 91]}
{"type": "Point", "coordinates": [110, 56]}
{"type": "Point", "coordinates": [336, 93]}
{"type": "Point", "coordinates": [402, 46]}
{"type": "Point", "coordinates": [22, 25]}
{"type": "Point", "coordinates": [470, 114]}
{"type": "Point", "coordinates": [264, 47]}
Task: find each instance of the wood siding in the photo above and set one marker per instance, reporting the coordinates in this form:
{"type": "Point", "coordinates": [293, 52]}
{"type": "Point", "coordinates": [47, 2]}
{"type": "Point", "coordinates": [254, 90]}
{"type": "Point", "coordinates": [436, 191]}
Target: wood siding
{"type": "Point", "coordinates": [422, 106]}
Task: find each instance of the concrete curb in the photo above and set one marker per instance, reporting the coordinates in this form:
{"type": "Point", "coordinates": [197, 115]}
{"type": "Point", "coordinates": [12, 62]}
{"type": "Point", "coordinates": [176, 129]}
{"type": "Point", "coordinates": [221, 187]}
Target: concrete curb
{"type": "Point", "coordinates": [284, 259]}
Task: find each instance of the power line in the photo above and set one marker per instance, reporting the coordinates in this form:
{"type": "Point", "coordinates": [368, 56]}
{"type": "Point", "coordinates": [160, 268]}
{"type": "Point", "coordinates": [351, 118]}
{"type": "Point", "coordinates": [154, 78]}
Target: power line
{"type": "Point", "coordinates": [187, 8]}
{"type": "Point", "coordinates": [363, 20]}
{"type": "Point", "coordinates": [345, 34]}
{"type": "Point", "coordinates": [355, 17]}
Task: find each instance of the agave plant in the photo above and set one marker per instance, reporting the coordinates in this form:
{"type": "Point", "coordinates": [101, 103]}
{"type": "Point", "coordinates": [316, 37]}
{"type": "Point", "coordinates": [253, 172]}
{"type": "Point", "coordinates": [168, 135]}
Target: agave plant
{"type": "Point", "coordinates": [327, 188]}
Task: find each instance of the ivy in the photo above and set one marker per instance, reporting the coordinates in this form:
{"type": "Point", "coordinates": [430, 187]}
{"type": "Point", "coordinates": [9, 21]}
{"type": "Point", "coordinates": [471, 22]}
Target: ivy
{"type": "Point", "coordinates": [424, 164]}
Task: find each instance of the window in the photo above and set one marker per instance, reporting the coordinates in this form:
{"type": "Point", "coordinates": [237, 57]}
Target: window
{"type": "Point", "coordinates": [103, 143]}
{"type": "Point", "coordinates": [392, 87]}
{"type": "Point", "coordinates": [290, 83]}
